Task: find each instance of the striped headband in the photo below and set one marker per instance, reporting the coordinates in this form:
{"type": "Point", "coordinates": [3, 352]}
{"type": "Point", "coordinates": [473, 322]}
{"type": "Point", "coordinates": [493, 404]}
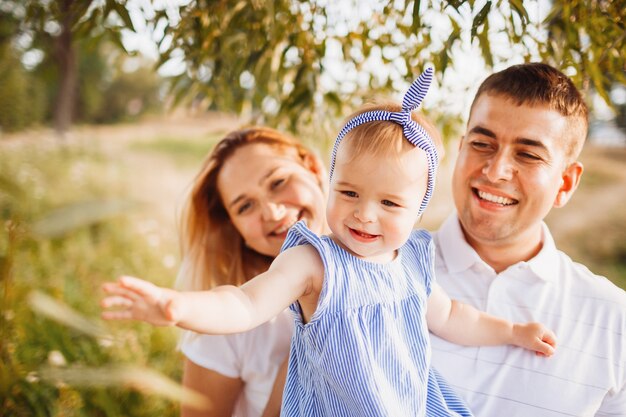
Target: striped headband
{"type": "Point", "coordinates": [412, 130]}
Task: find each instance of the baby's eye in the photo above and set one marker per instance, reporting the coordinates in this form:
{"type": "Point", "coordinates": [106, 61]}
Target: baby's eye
{"type": "Point", "coordinates": [351, 194]}
{"type": "Point", "coordinates": [389, 203]}
{"type": "Point", "coordinates": [244, 208]}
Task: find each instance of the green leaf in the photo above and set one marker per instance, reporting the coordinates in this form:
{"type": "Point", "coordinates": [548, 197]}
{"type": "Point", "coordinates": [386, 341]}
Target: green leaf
{"type": "Point", "coordinates": [518, 7]}
{"type": "Point", "coordinates": [116, 37]}
{"type": "Point", "coordinates": [55, 310]}
{"type": "Point", "coordinates": [417, 24]}
{"type": "Point", "coordinates": [485, 46]}
{"type": "Point", "coordinates": [443, 59]}
{"type": "Point", "coordinates": [65, 220]}
{"type": "Point", "coordinates": [143, 379]}
{"type": "Point", "coordinates": [480, 18]}
{"type": "Point", "coordinates": [455, 4]}
{"type": "Point", "coordinates": [598, 80]}
{"type": "Point", "coordinates": [123, 14]}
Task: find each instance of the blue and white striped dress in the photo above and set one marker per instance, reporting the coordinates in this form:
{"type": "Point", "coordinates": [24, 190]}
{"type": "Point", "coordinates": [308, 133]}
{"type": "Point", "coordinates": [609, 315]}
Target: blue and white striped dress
{"type": "Point", "coordinates": [365, 351]}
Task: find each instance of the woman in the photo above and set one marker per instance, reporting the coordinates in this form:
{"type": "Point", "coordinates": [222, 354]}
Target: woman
{"type": "Point", "coordinates": [253, 186]}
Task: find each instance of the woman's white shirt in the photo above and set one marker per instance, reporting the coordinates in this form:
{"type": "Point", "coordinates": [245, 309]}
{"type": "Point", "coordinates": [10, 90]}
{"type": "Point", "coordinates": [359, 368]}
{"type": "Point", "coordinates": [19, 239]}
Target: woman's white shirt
{"type": "Point", "coordinates": [253, 356]}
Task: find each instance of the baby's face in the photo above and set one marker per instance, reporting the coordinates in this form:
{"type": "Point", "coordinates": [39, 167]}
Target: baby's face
{"type": "Point", "coordinates": [374, 201]}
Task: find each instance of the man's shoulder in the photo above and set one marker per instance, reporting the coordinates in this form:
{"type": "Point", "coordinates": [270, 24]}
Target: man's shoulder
{"type": "Point", "coordinates": [591, 284]}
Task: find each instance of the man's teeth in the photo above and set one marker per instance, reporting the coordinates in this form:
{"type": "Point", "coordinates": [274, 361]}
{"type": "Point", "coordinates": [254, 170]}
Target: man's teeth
{"type": "Point", "coordinates": [495, 199]}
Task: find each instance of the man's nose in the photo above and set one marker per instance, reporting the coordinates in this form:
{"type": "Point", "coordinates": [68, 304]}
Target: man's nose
{"type": "Point", "coordinates": [500, 167]}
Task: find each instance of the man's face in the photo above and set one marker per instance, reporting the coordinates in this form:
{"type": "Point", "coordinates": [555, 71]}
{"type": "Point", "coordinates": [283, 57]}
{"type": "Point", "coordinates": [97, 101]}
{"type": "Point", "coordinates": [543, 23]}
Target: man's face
{"type": "Point", "coordinates": [511, 170]}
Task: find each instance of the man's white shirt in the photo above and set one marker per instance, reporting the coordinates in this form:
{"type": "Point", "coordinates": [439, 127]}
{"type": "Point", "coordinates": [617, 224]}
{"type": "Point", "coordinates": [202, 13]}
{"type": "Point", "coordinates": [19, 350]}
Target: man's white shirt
{"type": "Point", "coordinates": [587, 374]}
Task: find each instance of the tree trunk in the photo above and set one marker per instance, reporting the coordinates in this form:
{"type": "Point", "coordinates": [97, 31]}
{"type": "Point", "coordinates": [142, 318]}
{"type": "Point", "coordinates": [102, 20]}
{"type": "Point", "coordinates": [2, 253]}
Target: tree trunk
{"type": "Point", "coordinates": [68, 72]}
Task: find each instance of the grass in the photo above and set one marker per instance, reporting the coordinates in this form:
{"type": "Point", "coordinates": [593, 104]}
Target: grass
{"type": "Point", "coordinates": [42, 185]}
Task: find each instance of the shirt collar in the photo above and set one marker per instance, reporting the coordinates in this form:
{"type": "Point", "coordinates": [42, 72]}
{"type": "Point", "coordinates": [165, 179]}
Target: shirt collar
{"type": "Point", "coordinates": [546, 263]}
{"type": "Point", "coordinates": [459, 256]}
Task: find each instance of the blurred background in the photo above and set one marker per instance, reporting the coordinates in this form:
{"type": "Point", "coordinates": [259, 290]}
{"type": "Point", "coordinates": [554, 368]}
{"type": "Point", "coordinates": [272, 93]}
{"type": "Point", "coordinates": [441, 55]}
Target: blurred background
{"type": "Point", "coordinates": [107, 108]}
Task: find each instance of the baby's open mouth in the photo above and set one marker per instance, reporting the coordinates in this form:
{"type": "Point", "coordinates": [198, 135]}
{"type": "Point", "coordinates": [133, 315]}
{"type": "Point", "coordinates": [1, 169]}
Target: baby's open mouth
{"type": "Point", "coordinates": [363, 234]}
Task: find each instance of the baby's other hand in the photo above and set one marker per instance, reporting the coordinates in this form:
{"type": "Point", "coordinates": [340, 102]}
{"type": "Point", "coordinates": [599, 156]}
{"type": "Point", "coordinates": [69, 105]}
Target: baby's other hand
{"type": "Point", "coordinates": [135, 299]}
{"type": "Point", "coordinates": [536, 337]}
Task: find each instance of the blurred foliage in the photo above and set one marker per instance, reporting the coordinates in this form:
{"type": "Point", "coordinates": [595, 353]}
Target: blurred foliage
{"type": "Point", "coordinates": [58, 33]}
{"type": "Point", "coordinates": [44, 185]}
{"type": "Point", "coordinates": [188, 153]}
{"type": "Point", "coordinates": [108, 91]}
{"type": "Point", "coordinates": [22, 96]}
{"type": "Point", "coordinates": [620, 118]}
{"type": "Point", "coordinates": [606, 254]}
{"type": "Point", "coordinates": [589, 36]}
{"type": "Point", "coordinates": [128, 95]}
{"type": "Point", "coordinates": [275, 62]}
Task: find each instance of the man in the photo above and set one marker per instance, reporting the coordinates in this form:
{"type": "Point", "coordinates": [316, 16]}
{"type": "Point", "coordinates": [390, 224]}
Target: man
{"type": "Point", "coordinates": [517, 160]}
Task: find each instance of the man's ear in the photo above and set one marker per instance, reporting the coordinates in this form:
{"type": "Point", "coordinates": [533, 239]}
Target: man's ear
{"type": "Point", "coordinates": [570, 178]}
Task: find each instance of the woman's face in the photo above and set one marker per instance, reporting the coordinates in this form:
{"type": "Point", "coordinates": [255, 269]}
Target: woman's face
{"type": "Point", "coordinates": [265, 190]}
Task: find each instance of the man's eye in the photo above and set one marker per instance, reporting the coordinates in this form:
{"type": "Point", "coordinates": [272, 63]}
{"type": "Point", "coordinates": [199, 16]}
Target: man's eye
{"type": "Point", "coordinates": [244, 208]}
{"type": "Point", "coordinates": [479, 145]}
{"type": "Point", "coordinates": [529, 156]}
{"type": "Point", "coordinates": [389, 203]}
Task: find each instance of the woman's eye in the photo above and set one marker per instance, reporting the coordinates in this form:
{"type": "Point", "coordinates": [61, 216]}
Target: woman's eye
{"type": "Point", "coordinates": [351, 194]}
{"type": "Point", "coordinates": [277, 183]}
{"type": "Point", "coordinates": [244, 208]}
{"type": "Point", "coordinates": [389, 203]}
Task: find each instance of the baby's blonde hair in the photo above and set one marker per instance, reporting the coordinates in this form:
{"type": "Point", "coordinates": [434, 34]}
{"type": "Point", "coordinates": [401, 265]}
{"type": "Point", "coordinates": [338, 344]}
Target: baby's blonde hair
{"type": "Point", "coordinates": [385, 138]}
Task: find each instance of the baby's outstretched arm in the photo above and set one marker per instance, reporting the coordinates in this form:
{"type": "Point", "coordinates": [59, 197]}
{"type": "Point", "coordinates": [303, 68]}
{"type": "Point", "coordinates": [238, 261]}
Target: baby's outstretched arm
{"type": "Point", "coordinates": [225, 309]}
{"type": "Point", "coordinates": [136, 299]}
{"type": "Point", "coordinates": [463, 324]}
{"type": "Point", "coordinates": [222, 310]}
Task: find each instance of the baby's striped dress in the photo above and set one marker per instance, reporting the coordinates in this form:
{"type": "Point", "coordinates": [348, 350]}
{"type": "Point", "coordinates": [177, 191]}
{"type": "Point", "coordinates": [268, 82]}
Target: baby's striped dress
{"type": "Point", "coordinates": [366, 351]}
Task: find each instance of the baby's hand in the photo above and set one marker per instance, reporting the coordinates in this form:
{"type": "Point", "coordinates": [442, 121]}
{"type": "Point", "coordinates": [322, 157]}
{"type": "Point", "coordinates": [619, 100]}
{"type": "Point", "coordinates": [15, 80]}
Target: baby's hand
{"type": "Point", "coordinates": [536, 337]}
{"type": "Point", "coordinates": [136, 299]}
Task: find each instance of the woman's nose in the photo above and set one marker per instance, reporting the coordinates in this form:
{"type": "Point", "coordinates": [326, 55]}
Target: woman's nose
{"type": "Point", "coordinates": [273, 211]}
{"type": "Point", "coordinates": [499, 168]}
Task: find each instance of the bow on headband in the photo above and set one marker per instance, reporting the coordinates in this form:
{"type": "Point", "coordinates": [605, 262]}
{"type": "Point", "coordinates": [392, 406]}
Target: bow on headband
{"type": "Point", "coordinates": [413, 132]}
